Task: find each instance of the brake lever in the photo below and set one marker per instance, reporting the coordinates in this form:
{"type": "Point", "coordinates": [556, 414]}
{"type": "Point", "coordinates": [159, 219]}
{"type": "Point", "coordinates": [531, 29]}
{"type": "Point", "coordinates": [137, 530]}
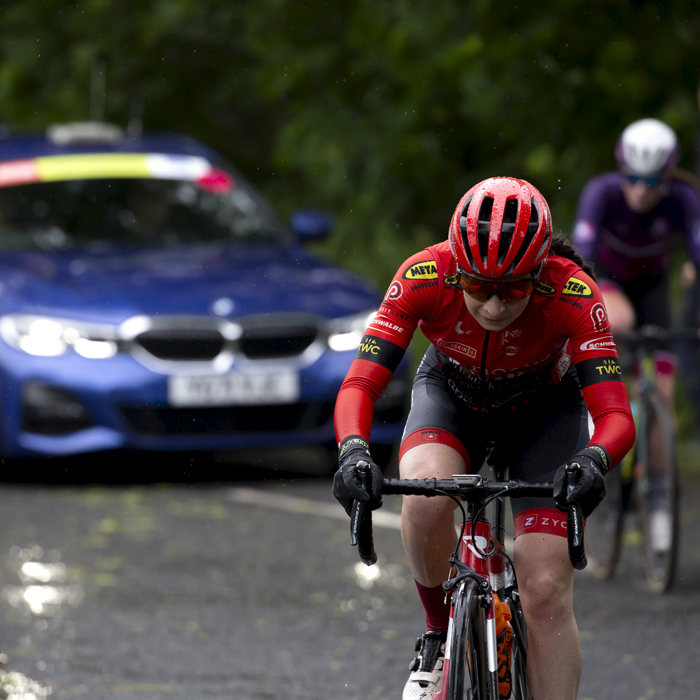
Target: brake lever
{"type": "Point", "coordinates": [575, 522]}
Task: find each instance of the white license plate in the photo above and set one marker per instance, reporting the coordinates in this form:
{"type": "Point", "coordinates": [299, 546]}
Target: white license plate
{"type": "Point", "coordinates": [234, 389]}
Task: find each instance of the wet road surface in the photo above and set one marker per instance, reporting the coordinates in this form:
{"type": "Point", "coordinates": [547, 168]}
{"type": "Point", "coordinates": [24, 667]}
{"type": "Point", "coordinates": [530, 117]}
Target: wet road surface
{"type": "Point", "coordinates": [250, 590]}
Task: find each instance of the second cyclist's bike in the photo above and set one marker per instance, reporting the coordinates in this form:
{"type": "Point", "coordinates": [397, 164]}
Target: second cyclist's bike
{"type": "Point", "coordinates": [647, 479]}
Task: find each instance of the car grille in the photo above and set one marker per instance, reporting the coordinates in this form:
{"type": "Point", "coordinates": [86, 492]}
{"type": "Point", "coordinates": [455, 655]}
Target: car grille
{"type": "Point", "coordinates": [265, 343]}
{"type": "Point", "coordinates": [183, 345]}
{"type": "Point", "coordinates": [229, 420]}
{"type": "Point", "coordinates": [260, 339]}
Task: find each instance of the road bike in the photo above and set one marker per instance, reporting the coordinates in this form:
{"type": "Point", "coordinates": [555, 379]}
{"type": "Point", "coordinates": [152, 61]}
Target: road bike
{"type": "Point", "coordinates": [482, 568]}
{"type": "Point", "coordinates": [647, 479]}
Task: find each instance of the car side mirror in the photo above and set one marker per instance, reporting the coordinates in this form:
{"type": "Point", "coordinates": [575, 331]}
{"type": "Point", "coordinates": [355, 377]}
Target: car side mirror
{"type": "Point", "coordinates": [311, 225]}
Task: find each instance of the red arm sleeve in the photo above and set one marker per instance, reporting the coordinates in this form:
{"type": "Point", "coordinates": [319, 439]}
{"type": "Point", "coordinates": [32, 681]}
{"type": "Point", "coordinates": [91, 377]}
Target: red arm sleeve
{"type": "Point", "coordinates": [383, 346]}
{"type": "Point", "coordinates": [595, 356]}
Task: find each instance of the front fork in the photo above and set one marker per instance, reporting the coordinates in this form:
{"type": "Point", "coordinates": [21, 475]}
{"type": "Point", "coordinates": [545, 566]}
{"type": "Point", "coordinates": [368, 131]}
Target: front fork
{"type": "Point", "coordinates": [481, 559]}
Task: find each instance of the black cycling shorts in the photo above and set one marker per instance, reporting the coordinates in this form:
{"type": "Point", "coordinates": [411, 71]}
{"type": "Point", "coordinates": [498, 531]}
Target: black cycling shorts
{"type": "Point", "coordinates": [530, 439]}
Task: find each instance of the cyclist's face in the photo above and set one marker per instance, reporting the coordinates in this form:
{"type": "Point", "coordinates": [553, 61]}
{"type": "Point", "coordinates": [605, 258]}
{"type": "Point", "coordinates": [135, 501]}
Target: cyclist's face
{"type": "Point", "coordinates": [493, 314]}
{"type": "Point", "coordinates": [641, 197]}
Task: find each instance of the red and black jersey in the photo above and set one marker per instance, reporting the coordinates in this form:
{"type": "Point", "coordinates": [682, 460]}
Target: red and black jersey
{"type": "Point", "coordinates": [564, 323]}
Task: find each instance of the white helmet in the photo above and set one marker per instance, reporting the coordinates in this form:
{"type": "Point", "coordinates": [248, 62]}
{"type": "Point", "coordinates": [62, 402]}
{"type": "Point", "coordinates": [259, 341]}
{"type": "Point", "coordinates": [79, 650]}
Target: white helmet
{"type": "Point", "coordinates": [647, 147]}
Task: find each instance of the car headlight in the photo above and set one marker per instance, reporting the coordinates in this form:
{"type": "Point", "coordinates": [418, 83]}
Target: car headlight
{"type": "Point", "coordinates": [49, 337]}
{"type": "Point", "coordinates": [346, 333]}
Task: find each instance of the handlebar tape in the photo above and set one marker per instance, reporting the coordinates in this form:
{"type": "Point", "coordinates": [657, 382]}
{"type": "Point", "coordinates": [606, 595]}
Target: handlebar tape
{"type": "Point", "coordinates": [361, 523]}
{"type": "Point", "coordinates": [574, 523]}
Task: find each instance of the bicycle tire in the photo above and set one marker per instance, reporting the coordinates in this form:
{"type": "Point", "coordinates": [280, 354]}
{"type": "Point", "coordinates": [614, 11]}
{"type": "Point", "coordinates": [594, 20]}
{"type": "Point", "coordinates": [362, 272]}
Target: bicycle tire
{"type": "Point", "coordinates": [604, 528]}
{"type": "Point", "coordinates": [466, 651]}
{"type": "Point", "coordinates": [657, 454]}
{"type": "Point", "coordinates": [518, 667]}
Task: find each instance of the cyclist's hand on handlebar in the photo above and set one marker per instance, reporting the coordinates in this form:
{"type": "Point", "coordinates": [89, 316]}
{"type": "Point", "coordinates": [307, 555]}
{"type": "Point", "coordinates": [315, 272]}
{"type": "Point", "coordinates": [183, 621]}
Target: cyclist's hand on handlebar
{"type": "Point", "coordinates": [594, 463]}
{"type": "Point", "coordinates": [347, 485]}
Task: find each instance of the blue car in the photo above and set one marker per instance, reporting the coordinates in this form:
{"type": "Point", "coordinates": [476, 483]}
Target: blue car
{"type": "Point", "coordinates": [150, 300]}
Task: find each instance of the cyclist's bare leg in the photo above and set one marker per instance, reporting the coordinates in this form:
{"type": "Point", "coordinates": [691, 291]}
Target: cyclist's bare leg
{"type": "Point", "coordinates": [666, 386]}
{"type": "Point", "coordinates": [546, 585]}
{"type": "Point", "coordinates": [621, 313]}
{"type": "Point", "coordinates": [427, 524]}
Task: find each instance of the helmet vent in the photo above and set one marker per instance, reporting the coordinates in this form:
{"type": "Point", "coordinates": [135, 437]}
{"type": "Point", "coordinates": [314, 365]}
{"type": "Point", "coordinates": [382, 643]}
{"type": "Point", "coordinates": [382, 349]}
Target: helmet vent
{"type": "Point", "coordinates": [484, 226]}
{"type": "Point", "coordinates": [532, 227]}
{"type": "Point", "coordinates": [510, 216]}
{"type": "Point", "coordinates": [463, 232]}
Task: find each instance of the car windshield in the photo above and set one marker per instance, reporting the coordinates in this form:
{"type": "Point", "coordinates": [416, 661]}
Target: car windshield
{"type": "Point", "coordinates": [131, 211]}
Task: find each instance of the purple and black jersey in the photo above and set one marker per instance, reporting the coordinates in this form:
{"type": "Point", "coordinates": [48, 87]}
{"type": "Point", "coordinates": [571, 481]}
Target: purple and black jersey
{"type": "Point", "coordinates": [629, 245]}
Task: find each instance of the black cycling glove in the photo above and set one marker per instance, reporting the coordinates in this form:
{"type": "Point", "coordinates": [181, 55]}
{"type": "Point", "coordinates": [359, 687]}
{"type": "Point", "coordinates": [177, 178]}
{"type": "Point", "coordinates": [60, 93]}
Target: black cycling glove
{"type": "Point", "coordinates": [347, 486]}
{"type": "Point", "coordinates": [589, 491]}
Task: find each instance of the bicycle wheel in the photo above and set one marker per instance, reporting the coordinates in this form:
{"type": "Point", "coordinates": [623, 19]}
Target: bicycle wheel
{"type": "Point", "coordinates": [656, 492]}
{"type": "Point", "coordinates": [465, 648]}
{"type": "Point", "coordinates": [604, 528]}
{"type": "Point", "coordinates": [518, 666]}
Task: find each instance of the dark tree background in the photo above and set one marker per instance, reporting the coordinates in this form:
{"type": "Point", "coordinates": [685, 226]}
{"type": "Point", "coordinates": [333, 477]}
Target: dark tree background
{"type": "Point", "coordinates": [383, 113]}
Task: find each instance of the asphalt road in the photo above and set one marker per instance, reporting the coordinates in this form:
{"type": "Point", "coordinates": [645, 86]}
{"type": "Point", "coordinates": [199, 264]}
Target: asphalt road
{"type": "Point", "coordinates": [250, 590]}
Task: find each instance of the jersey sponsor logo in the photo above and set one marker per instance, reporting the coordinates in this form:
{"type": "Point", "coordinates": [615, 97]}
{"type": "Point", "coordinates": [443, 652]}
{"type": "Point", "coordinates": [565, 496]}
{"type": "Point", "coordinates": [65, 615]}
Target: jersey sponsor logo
{"type": "Point", "coordinates": [529, 521]}
{"type": "Point", "coordinates": [599, 316]}
{"type": "Point", "coordinates": [511, 350]}
{"type": "Point", "coordinates": [385, 324]}
{"type": "Point", "coordinates": [608, 366]}
{"type": "Point", "coordinates": [422, 271]}
{"type": "Point", "coordinates": [604, 343]}
{"type": "Point", "coordinates": [394, 292]}
{"type": "Point", "coordinates": [381, 351]}
{"type": "Point", "coordinates": [599, 369]}
{"type": "Point", "coordinates": [451, 281]}
{"type": "Point", "coordinates": [542, 288]}
{"type": "Point", "coordinates": [389, 311]}
{"type": "Point", "coordinates": [458, 347]}
{"type": "Point", "coordinates": [545, 520]}
{"type": "Point", "coordinates": [577, 288]}
{"type": "Point", "coordinates": [573, 302]}
{"type": "Point", "coordinates": [434, 283]}
{"type": "Point", "coordinates": [562, 364]}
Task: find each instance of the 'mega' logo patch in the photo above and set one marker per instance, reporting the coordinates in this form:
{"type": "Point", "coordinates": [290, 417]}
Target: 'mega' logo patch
{"type": "Point", "coordinates": [451, 281]}
{"type": "Point", "coordinates": [577, 288]}
{"type": "Point", "coordinates": [422, 271]}
{"type": "Point", "coordinates": [542, 288]}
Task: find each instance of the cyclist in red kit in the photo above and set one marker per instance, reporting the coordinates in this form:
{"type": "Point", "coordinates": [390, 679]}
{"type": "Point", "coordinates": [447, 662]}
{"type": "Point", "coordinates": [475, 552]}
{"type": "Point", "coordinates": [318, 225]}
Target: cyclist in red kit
{"type": "Point", "coordinates": [521, 353]}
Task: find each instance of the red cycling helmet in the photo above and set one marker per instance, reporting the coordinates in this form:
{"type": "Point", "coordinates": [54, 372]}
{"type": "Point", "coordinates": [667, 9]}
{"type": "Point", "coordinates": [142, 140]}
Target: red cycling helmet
{"type": "Point", "coordinates": [501, 228]}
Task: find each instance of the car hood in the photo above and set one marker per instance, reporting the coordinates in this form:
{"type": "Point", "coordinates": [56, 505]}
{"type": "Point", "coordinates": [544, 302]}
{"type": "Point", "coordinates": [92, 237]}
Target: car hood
{"type": "Point", "coordinates": [111, 286]}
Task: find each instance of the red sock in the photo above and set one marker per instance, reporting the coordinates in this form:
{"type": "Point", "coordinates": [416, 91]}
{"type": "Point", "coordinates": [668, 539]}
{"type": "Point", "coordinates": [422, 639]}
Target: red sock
{"type": "Point", "coordinates": [437, 611]}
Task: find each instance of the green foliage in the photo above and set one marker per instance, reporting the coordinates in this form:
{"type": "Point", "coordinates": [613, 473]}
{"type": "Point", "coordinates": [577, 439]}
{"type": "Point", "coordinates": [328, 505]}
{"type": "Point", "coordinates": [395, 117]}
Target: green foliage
{"type": "Point", "coordinates": [382, 113]}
